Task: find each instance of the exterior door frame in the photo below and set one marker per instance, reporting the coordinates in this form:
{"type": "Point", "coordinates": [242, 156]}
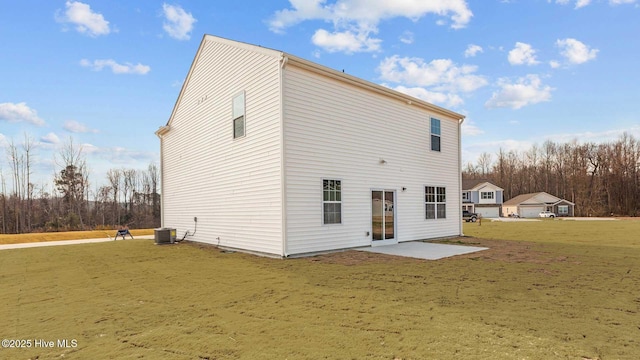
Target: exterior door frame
{"type": "Point", "coordinates": [389, 241]}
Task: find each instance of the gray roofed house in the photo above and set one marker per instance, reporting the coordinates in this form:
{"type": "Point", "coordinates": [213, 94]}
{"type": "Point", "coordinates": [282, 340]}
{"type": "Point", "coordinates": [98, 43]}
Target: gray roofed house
{"type": "Point", "coordinates": [482, 197]}
{"type": "Point", "coordinates": [530, 205]}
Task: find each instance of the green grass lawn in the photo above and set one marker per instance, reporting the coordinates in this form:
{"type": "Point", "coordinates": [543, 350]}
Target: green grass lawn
{"type": "Point", "coordinates": [576, 297]}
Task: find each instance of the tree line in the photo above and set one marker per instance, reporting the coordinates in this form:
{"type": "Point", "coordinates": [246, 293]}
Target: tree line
{"type": "Point", "coordinates": [130, 197]}
{"type": "Point", "coordinates": [601, 179]}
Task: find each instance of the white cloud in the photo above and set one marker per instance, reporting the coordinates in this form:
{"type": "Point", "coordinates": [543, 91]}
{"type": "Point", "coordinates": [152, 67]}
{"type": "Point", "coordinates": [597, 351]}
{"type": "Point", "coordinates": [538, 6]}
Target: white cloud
{"type": "Point", "coordinates": [178, 23]}
{"type": "Point", "coordinates": [471, 153]}
{"type": "Point", "coordinates": [433, 97]}
{"type": "Point", "coordinates": [473, 50]}
{"type": "Point", "coordinates": [50, 138]}
{"type": "Point", "coordinates": [441, 74]}
{"type": "Point", "coordinates": [469, 128]}
{"type": "Point", "coordinates": [19, 112]}
{"type": "Point", "coordinates": [554, 64]}
{"type": "Point", "coordinates": [362, 17]}
{"type": "Point", "coordinates": [76, 127]}
{"type": "Point", "coordinates": [90, 149]}
{"type": "Point", "coordinates": [116, 68]}
{"type": "Point", "coordinates": [346, 41]}
{"type": "Point", "coordinates": [439, 81]}
{"type": "Point", "coordinates": [575, 51]}
{"type": "Point", "coordinates": [597, 137]}
{"type": "Point", "coordinates": [582, 3]}
{"type": "Point", "coordinates": [85, 20]}
{"type": "Point", "coordinates": [407, 37]}
{"type": "Point", "coordinates": [522, 54]}
{"type": "Point", "coordinates": [525, 91]}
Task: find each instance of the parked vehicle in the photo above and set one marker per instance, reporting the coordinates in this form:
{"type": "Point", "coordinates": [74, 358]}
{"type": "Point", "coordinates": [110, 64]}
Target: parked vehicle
{"type": "Point", "coordinates": [469, 216]}
{"type": "Point", "coordinates": [547, 214]}
{"type": "Point", "coordinates": [514, 215]}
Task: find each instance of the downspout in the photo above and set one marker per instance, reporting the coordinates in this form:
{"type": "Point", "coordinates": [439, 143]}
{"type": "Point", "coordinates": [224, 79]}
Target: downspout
{"type": "Point", "coordinates": [160, 133]}
{"type": "Point", "coordinates": [460, 173]}
{"type": "Point", "coordinates": [283, 175]}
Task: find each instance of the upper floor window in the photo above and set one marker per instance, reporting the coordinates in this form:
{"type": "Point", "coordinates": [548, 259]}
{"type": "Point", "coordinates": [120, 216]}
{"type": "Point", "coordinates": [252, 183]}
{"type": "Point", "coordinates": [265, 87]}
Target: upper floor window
{"type": "Point", "coordinates": [465, 196]}
{"type": "Point", "coordinates": [435, 134]}
{"type": "Point", "coordinates": [486, 195]}
{"type": "Point", "coordinates": [238, 116]}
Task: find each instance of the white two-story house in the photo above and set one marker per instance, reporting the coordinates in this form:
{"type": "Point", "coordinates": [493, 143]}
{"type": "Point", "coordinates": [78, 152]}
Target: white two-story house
{"type": "Point", "coordinates": [270, 153]}
{"type": "Point", "coordinates": [482, 197]}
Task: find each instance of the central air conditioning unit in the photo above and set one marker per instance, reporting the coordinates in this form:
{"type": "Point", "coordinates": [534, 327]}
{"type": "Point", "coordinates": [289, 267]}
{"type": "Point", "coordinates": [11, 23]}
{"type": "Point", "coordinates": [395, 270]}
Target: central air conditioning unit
{"type": "Point", "coordinates": [165, 236]}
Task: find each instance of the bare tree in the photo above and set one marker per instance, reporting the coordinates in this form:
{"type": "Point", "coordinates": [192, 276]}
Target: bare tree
{"type": "Point", "coordinates": [27, 147]}
{"type": "Point", "coordinates": [484, 163]}
{"type": "Point", "coordinates": [115, 178]}
{"type": "Point", "coordinates": [72, 182]}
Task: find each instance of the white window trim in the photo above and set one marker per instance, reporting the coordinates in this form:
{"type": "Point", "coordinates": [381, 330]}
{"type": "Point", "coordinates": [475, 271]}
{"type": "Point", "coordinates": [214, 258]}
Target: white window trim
{"type": "Point", "coordinates": [432, 134]}
{"type": "Point", "coordinates": [322, 202]}
{"type": "Point", "coordinates": [492, 195]}
{"type": "Point", "coordinates": [436, 203]}
{"type": "Point", "coordinates": [565, 207]}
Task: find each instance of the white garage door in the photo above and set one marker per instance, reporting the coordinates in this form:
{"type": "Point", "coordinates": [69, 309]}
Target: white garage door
{"type": "Point", "coordinates": [530, 212]}
{"type": "Point", "coordinates": [489, 212]}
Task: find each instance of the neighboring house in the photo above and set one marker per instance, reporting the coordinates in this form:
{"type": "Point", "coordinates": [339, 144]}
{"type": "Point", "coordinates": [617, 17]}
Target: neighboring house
{"type": "Point", "coordinates": [530, 205]}
{"type": "Point", "coordinates": [482, 197]}
{"type": "Point", "coordinates": [278, 155]}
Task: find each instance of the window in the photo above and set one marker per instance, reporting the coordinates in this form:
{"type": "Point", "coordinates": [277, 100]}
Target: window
{"type": "Point", "coordinates": [332, 201]}
{"type": "Point", "coordinates": [465, 196]}
{"type": "Point", "coordinates": [238, 115]}
{"type": "Point", "coordinates": [563, 209]}
{"type": "Point", "coordinates": [435, 134]}
{"type": "Point", "coordinates": [435, 199]}
{"type": "Point", "coordinates": [486, 195]}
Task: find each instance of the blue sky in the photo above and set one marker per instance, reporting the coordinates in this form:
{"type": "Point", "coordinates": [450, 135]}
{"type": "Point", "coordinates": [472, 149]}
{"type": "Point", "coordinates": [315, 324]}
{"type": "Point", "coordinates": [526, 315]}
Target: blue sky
{"type": "Point", "coordinates": [107, 73]}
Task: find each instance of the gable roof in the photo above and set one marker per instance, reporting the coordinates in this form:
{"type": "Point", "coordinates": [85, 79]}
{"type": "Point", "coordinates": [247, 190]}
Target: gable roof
{"type": "Point", "coordinates": [476, 184]}
{"type": "Point", "coordinates": [538, 198]}
{"type": "Point", "coordinates": [286, 58]}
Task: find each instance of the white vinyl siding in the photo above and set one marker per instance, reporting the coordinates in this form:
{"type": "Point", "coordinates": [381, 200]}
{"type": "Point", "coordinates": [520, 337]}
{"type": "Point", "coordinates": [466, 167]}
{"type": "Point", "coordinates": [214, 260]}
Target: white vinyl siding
{"type": "Point", "coordinates": [233, 187]}
{"type": "Point", "coordinates": [333, 129]}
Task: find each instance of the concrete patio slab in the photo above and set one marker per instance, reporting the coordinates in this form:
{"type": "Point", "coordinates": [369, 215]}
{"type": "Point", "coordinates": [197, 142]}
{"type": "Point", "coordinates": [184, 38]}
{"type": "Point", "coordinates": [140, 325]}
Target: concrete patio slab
{"type": "Point", "coordinates": [423, 250]}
